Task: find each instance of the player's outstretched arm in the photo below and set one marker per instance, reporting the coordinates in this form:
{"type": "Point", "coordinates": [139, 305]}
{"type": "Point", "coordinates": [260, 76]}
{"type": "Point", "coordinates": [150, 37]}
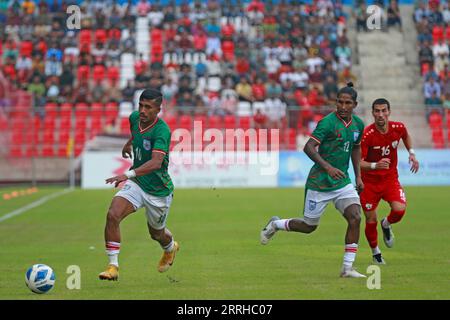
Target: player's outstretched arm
{"type": "Point", "coordinates": [311, 152]}
{"type": "Point", "coordinates": [412, 155]}
{"type": "Point", "coordinates": [356, 158]}
{"type": "Point", "coordinates": [148, 167]}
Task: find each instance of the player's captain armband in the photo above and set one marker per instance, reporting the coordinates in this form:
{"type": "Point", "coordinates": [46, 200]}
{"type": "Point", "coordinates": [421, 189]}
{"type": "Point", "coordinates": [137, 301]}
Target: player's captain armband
{"type": "Point", "coordinates": [130, 174]}
{"type": "Point", "coordinates": [411, 151]}
{"type": "Point", "coordinates": [373, 165]}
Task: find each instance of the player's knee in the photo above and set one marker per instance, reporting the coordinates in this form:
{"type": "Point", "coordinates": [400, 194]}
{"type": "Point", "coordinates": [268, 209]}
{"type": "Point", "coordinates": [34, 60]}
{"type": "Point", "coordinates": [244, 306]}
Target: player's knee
{"type": "Point", "coordinates": [398, 206]}
{"type": "Point", "coordinates": [113, 216]}
{"type": "Point", "coordinates": [354, 218]}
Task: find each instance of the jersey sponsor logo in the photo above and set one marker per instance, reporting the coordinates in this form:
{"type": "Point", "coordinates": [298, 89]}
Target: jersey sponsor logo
{"type": "Point", "coordinates": [368, 206]}
{"type": "Point", "coordinates": [394, 144]}
{"type": "Point", "coordinates": [355, 136]}
{"type": "Point", "coordinates": [312, 205]}
{"type": "Point", "coordinates": [147, 144]}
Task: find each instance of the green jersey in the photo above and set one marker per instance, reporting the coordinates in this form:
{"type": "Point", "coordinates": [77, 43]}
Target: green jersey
{"type": "Point", "coordinates": [336, 138]}
{"type": "Point", "coordinates": [154, 138]}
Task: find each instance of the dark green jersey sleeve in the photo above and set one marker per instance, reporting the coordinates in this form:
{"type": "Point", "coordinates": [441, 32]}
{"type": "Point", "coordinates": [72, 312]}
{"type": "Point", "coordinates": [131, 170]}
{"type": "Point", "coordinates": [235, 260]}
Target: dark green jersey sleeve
{"type": "Point", "coordinates": [360, 125]}
{"type": "Point", "coordinates": [162, 139]}
{"type": "Point", "coordinates": [321, 131]}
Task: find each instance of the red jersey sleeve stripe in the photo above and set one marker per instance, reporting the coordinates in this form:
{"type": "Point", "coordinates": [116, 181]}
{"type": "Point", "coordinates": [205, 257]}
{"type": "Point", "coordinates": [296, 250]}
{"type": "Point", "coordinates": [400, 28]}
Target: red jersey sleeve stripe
{"type": "Point", "coordinates": [159, 150]}
{"type": "Point", "coordinates": [315, 139]}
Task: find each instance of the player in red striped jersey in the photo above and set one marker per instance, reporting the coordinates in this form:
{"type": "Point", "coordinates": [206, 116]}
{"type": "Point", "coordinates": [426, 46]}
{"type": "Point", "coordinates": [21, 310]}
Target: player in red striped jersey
{"type": "Point", "coordinates": [379, 173]}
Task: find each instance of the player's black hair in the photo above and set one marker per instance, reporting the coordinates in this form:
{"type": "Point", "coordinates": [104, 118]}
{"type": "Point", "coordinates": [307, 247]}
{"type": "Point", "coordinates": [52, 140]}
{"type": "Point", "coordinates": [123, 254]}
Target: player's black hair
{"type": "Point", "coordinates": [381, 101]}
{"type": "Point", "coordinates": [151, 94]}
{"type": "Point", "coordinates": [349, 90]}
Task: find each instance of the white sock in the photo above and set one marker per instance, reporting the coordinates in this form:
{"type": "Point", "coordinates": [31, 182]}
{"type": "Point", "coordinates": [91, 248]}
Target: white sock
{"type": "Point", "coordinates": [350, 255]}
{"type": "Point", "coordinates": [385, 223]}
{"type": "Point", "coordinates": [376, 250]}
{"type": "Point", "coordinates": [282, 224]}
{"type": "Point", "coordinates": [112, 250]}
{"type": "Point", "coordinates": [169, 247]}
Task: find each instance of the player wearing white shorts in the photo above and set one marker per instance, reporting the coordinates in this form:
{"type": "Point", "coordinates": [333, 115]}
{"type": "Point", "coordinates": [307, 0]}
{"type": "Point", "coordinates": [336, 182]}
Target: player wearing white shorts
{"type": "Point", "coordinates": [148, 184]}
{"type": "Point", "coordinates": [338, 137]}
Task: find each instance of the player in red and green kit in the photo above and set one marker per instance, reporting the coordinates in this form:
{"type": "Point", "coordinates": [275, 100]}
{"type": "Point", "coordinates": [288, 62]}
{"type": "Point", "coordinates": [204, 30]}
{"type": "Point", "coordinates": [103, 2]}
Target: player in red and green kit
{"type": "Point", "coordinates": [337, 138]}
{"type": "Point", "coordinates": [147, 185]}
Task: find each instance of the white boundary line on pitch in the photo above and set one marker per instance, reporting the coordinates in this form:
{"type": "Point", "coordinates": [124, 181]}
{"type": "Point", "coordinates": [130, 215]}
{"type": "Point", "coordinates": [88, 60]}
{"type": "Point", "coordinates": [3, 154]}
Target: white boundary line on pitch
{"type": "Point", "coordinates": [34, 204]}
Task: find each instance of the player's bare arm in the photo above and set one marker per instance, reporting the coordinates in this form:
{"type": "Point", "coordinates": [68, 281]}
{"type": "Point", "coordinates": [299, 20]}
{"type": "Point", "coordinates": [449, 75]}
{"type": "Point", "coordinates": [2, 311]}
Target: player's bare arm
{"type": "Point", "coordinates": [311, 151]}
{"type": "Point", "coordinates": [356, 158]}
{"type": "Point", "coordinates": [146, 168]}
{"type": "Point", "coordinates": [412, 156]}
{"type": "Point", "coordinates": [126, 150]}
{"type": "Point", "coordinates": [383, 164]}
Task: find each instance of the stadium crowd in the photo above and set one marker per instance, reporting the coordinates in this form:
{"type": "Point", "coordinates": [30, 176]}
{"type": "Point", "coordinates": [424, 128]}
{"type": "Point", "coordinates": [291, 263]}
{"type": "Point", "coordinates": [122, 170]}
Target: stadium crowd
{"type": "Point", "coordinates": [205, 56]}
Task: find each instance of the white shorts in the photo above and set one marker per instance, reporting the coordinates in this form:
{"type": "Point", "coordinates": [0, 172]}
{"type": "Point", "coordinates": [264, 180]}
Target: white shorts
{"type": "Point", "coordinates": [316, 202]}
{"type": "Point", "coordinates": [156, 208]}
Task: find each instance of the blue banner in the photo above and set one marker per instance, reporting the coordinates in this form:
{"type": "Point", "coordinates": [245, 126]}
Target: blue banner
{"type": "Point", "coordinates": [434, 168]}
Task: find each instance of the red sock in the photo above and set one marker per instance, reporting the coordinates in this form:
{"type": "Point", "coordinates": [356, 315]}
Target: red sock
{"type": "Point", "coordinates": [395, 216]}
{"type": "Point", "coordinates": [372, 234]}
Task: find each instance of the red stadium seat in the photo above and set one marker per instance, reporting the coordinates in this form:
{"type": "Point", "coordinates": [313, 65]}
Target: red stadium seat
{"type": "Point", "coordinates": [185, 122]}
{"type": "Point", "coordinates": [31, 150]}
{"type": "Point", "coordinates": [100, 36]}
{"type": "Point", "coordinates": [202, 119]}
{"type": "Point", "coordinates": [96, 110]}
{"type": "Point", "coordinates": [16, 151]}
{"type": "Point", "coordinates": [291, 137]}
{"type": "Point", "coordinates": [80, 124]}
{"type": "Point", "coordinates": [85, 36]}
{"type": "Point", "coordinates": [63, 137]}
{"type": "Point", "coordinates": [124, 125]}
{"type": "Point", "coordinates": [171, 122]}
{"type": "Point", "coordinates": [435, 120]}
{"type": "Point", "coordinates": [49, 123]}
{"type": "Point", "coordinates": [111, 111]}
{"type": "Point", "coordinates": [99, 73]}
{"type": "Point", "coordinates": [48, 151]}
{"type": "Point", "coordinates": [51, 109]}
{"type": "Point", "coordinates": [62, 151]}
{"type": "Point", "coordinates": [26, 48]}
{"type": "Point", "coordinates": [81, 110]}
{"type": "Point", "coordinates": [48, 137]}
{"type": "Point", "coordinates": [80, 137]}
{"type": "Point", "coordinates": [230, 122]}
{"type": "Point", "coordinates": [96, 127]}
{"type": "Point", "coordinates": [244, 123]}
{"type": "Point", "coordinates": [83, 73]}
{"type": "Point", "coordinates": [78, 149]}
{"type": "Point", "coordinates": [214, 122]}
{"type": "Point", "coordinates": [156, 35]}
{"type": "Point", "coordinates": [113, 75]}
{"type": "Point", "coordinates": [65, 110]}
{"type": "Point", "coordinates": [17, 137]}
{"type": "Point", "coordinates": [114, 34]}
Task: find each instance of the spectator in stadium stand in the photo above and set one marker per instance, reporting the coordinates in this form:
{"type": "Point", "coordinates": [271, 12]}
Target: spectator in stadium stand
{"type": "Point", "coordinates": [330, 87]}
{"type": "Point", "coordinates": [273, 88]}
{"type": "Point", "coordinates": [275, 110]}
{"type": "Point", "coordinates": [440, 62]}
{"type": "Point", "coordinates": [434, 104]}
{"type": "Point", "coordinates": [393, 15]}
{"type": "Point", "coordinates": [258, 90]}
{"type": "Point", "coordinates": [143, 8]}
{"type": "Point", "coordinates": [425, 54]}
{"type": "Point", "coordinates": [421, 13]}
{"type": "Point", "coordinates": [346, 75]}
{"type": "Point", "coordinates": [431, 87]}
{"type": "Point", "coordinates": [229, 100]}
{"type": "Point", "coordinates": [128, 92]}
{"type": "Point", "coordinates": [361, 16]}
{"type": "Point", "coordinates": [446, 103]}
{"type": "Point", "coordinates": [244, 90]}
{"type": "Point", "coordinates": [272, 65]}
{"type": "Point", "coordinates": [255, 12]}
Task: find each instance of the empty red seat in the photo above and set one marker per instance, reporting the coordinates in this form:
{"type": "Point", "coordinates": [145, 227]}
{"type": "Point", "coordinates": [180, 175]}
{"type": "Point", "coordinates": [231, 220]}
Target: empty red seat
{"type": "Point", "coordinates": [51, 109]}
{"type": "Point", "coordinates": [80, 137]}
{"type": "Point", "coordinates": [48, 151]}
{"type": "Point", "coordinates": [63, 137]}
{"type": "Point", "coordinates": [48, 137]}
{"type": "Point", "coordinates": [62, 150]}
{"type": "Point", "coordinates": [214, 122]}
{"type": "Point", "coordinates": [291, 138]}
{"type": "Point", "coordinates": [26, 48]}
{"type": "Point", "coordinates": [200, 119]}
{"type": "Point", "coordinates": [185, 122]}
{"type": "Point", "coordinates": [65, 110]}
{"type": "Point", "coordinates": [17, 137]}
{"type": "Point", "coordinates": [96, 110]}
{"type": "Point", "coordinates": [113, 75]}
{"type": "Point", "coordinates": [111, 111]}
{"type": "Point", "coordinates": [98, 73]}
{"type": "Point", "coordinates": [229, 122]}
{"type": "Point", "coordinates": [435, 120]}
{"type": "Point", "coordinates": [81, 110]}
{"type": "Point", "coordinates": [78, 149]}
{"type": "Point", "coordinates": [49, 123]}
{"type": "Point", "coordinates": [83, 73]}
{"type": "Point", "coordinates": [171, 122]}
{"type": "Point", "coordinates": [156, 35]}
{"type": "Point", "coordinates": [16, 151]}
{"type": "Point", "coordinates": [101, 36]}
{"type": "Point", "coordinates": [96, 127]}
{"type": "Point", "coordinates": [85, 36]}
{"type": "Point", "coordinates": [31, 151]}
{"type": "Point", "coordinates": [244, 123]}
{"type": "Point", "coordinates": [80, 124]}
{"type": "Point", "coordinates": [114, 34]}
{"type": "Point", "coordinates": [124, 125]}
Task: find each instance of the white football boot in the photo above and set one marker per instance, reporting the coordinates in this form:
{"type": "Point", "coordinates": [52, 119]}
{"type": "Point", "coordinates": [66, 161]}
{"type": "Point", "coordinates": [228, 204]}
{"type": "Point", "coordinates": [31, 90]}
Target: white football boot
{"type": "Point", "coordinates": [268, 231]}
{"type": "Point", "coordinates": [351, 273]}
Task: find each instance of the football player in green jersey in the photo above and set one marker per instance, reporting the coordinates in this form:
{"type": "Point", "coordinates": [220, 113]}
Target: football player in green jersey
{"type": "Point", "coordinates": [333, 143]}
{"type": "Point", "coordinates": [148, 184]}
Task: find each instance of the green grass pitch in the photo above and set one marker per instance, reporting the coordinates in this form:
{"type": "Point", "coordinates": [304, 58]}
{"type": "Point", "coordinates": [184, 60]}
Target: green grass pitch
{"type": "Point", "coordinates": [220, 255]}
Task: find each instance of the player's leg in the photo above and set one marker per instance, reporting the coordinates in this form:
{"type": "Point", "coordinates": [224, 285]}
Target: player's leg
{"type": "Point", "coordinates": [396, 197]}
{"type": "Point", "coordinates": [348, 203]}
{"type": "Point", "coordinates": [312, 212]}
{"type": "Point", "coordinates": [157, 211]}
{"type": "Point", "coordinates": [118, 210]}
{"type": "Point", "coordinates": [370, 198]}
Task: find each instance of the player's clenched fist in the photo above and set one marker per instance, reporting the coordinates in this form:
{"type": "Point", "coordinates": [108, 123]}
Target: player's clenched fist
{"type": "Point", "coordinates": [383, 164]}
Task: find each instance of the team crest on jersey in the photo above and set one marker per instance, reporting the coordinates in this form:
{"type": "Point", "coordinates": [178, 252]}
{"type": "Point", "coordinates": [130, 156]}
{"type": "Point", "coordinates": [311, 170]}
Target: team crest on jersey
{"type": "Point", "coordinates": [355, 136]}
{"type": "Point", "coordinates": [147, 144]}
{"type": "Point", "coordinates": [312, 205]}
{"type": "Point", "coordinates": [368, 206]}
{"type": "Point", "coordinates": [394, 144]}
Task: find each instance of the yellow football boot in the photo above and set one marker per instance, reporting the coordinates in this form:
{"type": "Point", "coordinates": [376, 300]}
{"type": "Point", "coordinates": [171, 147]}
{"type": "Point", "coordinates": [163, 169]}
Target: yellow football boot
{"type": "Point", "coordinates": [168, 258]}
{"type": "Point", "coordinates": [111, 273]}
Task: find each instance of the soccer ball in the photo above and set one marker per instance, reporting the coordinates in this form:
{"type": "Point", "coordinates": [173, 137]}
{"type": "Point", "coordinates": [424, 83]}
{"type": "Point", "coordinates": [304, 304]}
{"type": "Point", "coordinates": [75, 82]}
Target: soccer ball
{"type": "Point", "coordinates": [40, 278]}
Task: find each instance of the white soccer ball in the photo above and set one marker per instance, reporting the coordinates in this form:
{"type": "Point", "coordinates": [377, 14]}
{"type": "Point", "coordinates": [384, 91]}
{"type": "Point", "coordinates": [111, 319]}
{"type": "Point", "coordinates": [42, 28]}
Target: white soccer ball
{"type": "Point", "coordinates": [40, 278]}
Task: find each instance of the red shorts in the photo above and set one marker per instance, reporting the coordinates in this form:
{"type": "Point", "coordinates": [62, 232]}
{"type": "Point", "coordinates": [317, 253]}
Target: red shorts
{"type": "Point", "coordinates": [388, 190]}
